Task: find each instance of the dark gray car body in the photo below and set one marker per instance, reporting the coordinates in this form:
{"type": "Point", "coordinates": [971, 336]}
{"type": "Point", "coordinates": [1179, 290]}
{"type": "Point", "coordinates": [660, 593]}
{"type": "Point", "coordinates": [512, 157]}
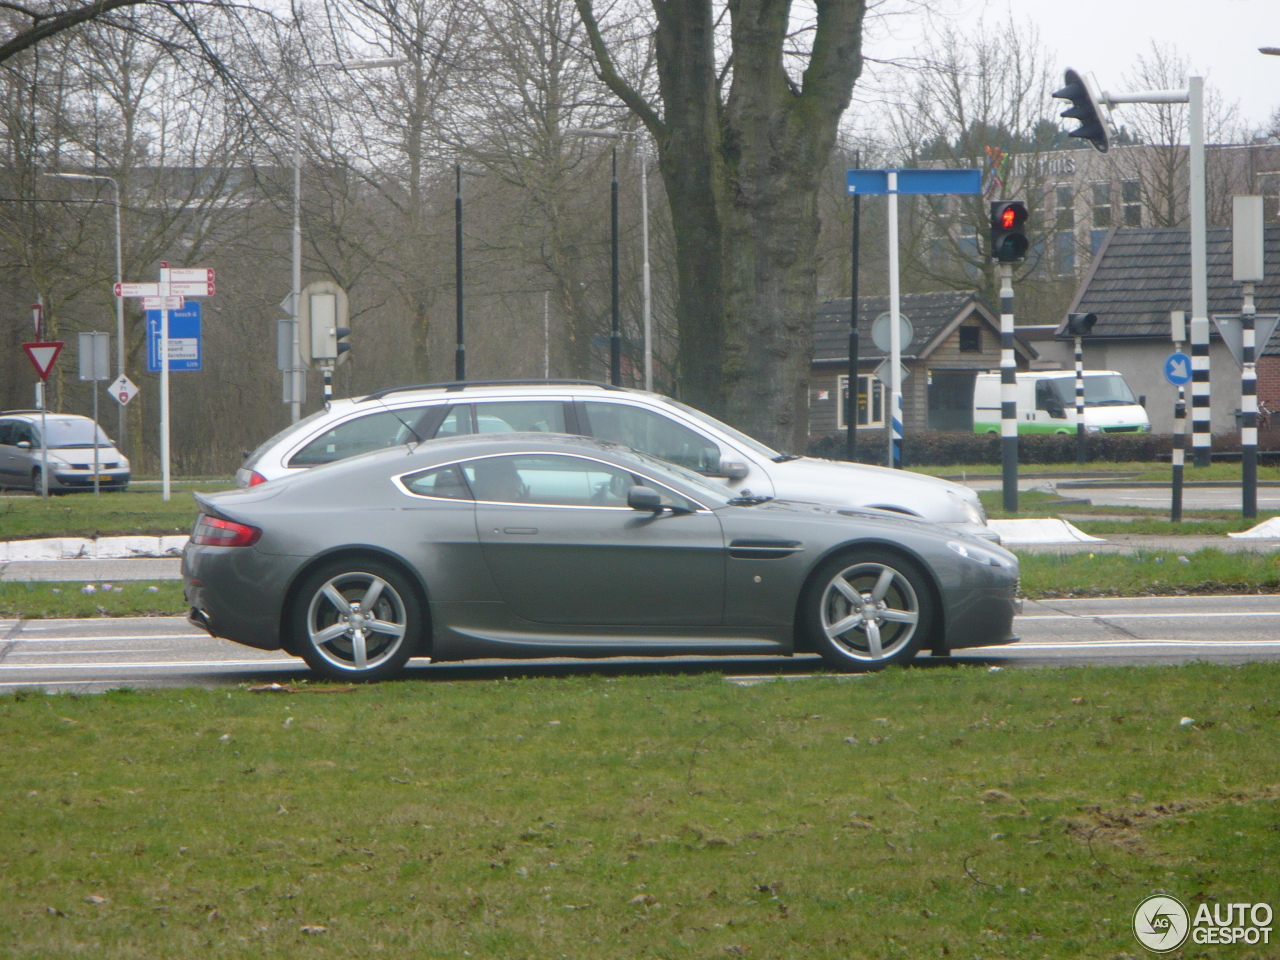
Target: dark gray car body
{"type": "Point", "coordinates": [515, 580]}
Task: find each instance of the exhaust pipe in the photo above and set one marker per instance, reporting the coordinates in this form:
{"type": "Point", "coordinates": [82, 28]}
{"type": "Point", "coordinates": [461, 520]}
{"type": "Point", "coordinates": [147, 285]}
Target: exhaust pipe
{"type": "Point", "coordinates": [198, 618]}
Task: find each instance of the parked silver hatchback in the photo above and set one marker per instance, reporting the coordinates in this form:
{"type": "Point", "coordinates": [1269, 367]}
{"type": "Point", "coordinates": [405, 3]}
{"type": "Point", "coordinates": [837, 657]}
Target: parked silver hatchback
{"type": "Point", "coordinates": [72, 440]}
{"type": "Point", "coordinates": [648, 422]}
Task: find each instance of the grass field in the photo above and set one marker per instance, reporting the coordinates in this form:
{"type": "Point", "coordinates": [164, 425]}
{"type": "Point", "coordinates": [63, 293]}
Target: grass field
{"type": "Point", "coordinates": [951, 812]}
{"type": "Point", "coordinates": [1139, 470]}
{"type": "Point", "coordinates": [111, 514]}
{"type": "Point", "coordinates": [126, 598]}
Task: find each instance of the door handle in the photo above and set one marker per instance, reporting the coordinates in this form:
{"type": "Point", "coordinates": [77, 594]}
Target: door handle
{"type": "Point", "coordinates": [520, 531]}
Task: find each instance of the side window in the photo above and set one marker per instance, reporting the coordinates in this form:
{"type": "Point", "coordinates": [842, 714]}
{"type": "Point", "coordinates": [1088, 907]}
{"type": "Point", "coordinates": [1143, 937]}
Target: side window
{"type": "Point", "coordinates": [456, 422]}
{"type": "Point", "coordinates": [6, 433]}
{"type": "Point", "coordinates": [372, 432]}
{"type": "Point", "coordinates": [24, 431]}
{"type": "Point", "coordinates": [549, 480]}
{"type": "Point", "coordinates": [654, 434]}
{"type": "Point", "coordinates": [506, 416]}
{"type": "Point", "coordinates": [445, 483]}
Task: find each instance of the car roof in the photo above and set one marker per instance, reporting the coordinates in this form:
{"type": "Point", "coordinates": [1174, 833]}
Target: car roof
{"type": "Point", "coordinates": [49, 414]}
{"type": "Point", "coordinates": [500, 388]}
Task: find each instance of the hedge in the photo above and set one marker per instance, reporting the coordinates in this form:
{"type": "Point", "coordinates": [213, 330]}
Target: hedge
{"type": "Point", "coordinates": [938, 449]}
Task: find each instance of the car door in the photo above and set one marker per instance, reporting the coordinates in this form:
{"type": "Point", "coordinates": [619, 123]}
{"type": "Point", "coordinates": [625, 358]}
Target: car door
{"type": "Point", "coordinates": [563, 546]}
{"type": "Point", "coordinates": [7, 452]}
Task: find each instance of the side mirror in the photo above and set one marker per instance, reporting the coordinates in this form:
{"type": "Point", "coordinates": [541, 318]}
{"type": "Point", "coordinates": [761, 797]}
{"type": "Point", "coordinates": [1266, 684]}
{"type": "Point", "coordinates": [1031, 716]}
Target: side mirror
{"type": "Point", "coordinates": [1142, 400]}
{"type": "Point", "coordinates": [23, 444]}
{"type": "Point", "coordinates": [644, 498]}
{"type": "Point", "coordinates": [1057, 411]}
{"type": "Point", "coordinates": [733, 470]}
{"type": "Point", "coordinates": [244, 454]}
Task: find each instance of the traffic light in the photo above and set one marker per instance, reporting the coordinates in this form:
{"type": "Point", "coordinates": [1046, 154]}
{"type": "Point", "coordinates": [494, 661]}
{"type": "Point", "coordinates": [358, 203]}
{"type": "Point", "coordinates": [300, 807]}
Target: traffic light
{"type": "Point", "coordinates": [1081, 324]}
{"type": "Point", "coordinates": [1008, 230]}
{"type": "Point", "coordinates": [1085, 108]}
{"type": "Point", "coordinates": [344, 342]}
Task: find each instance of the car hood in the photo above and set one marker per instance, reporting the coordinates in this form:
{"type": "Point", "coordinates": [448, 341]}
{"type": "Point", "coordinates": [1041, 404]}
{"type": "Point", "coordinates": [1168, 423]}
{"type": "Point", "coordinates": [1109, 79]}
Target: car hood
{"type": "Point", "coordinates": [869, 486]}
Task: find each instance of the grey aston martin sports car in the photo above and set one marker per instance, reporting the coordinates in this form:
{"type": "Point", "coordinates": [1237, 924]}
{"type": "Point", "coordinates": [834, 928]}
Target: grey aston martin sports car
{"type": "Point", "coordinates": [540, 545]}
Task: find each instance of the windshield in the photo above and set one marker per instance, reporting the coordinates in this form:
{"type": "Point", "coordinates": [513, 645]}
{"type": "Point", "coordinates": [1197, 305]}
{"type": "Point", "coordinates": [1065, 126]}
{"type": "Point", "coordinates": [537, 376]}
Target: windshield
{"type": "Point", "coordinates": [750, 443]}
{"type": "Point", "coordinates": [69, 434]}
{"type": "Point", "coordinates": [1100, 390]}
{"type": "Point", "coordinates": [713, 494]}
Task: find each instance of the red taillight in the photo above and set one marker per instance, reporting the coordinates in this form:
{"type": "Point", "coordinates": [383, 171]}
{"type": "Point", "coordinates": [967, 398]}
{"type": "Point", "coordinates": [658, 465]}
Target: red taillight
{"type": "Point", "coordinates": [216, 532]}
{"type": "Point", "coordinates": [255, 478]}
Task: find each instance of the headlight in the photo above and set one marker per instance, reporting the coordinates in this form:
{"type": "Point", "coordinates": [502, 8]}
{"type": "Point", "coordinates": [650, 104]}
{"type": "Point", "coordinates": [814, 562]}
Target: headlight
{"type": "Point", "coordinates": [1090, 428]}
{"type": "Point", "coordinates": [975, 553]}
{"type": "Point", "coordinates": [971, 511]}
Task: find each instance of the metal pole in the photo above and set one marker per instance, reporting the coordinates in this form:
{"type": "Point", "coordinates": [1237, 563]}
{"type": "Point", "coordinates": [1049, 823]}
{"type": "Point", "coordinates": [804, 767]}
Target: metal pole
{"type": "Point", "coordinates": [121, 431]}
{"type": "Point", "coordinates": [615, 325]}
{"type": "Point", "coordinates": [895, 334]}
{"type": "Point", "coordinates": [294, 374]}
{"type": "Point", "coordinates": [852, 394]}
{"type": "Point", "coordinates": [164, 383]}
{"type": "Point", "coordinates": [1201, 419]}
{"type": "Point", "coordinates": [95, 436]}
{"type": "Point", "coordinates": [1008, 392]}
{"type": "Point", "coordinates": [460, 351]}
{"type": "Point", "coordinates": [546, 335]}
{"type": "Point", "coordinates": [1179, 452]}
{"type": "Point", "coordinates": [1079, 401]}
{"type": "Point", "coordinates": [328, 384]}
{"type": "Point", "coordinates": [1249, 407]}
{"type": "Point", "coordinates": [644, 227]}
{"type": "Point", "coordinates": [40, 392]}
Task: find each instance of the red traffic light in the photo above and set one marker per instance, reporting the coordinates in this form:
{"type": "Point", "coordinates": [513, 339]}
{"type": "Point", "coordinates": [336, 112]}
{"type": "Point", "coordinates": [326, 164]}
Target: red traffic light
{"type": "Point", "coordinates": [1008, 231]}
{"type": "Point", "coordinates": [1008, 218]}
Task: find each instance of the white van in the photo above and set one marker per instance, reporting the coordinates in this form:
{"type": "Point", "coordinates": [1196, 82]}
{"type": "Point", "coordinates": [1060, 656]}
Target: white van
{"type": "Point", "coordinates": [1047, 403]}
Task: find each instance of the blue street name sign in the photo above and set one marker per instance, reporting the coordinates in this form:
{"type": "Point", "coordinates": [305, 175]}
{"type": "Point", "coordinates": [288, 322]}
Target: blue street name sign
{"type": "Point", "coordinates": [915, 181]}
{"type": "Point", "coordinates": [184, 339]}
{"type": "Point", "coordinates": [1177, 369]}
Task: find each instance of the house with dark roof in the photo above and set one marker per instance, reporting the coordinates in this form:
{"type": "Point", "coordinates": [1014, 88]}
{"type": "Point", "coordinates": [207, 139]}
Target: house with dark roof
{"type": "Point", "coordinates": [1138, 277]}
{"type": "Point", "coordinates": [955, 337]}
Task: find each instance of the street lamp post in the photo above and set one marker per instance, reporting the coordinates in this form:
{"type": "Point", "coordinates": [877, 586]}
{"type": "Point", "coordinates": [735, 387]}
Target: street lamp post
{"type": "Point", "coordinates": [120, 351]}
{"type": "Point", "coordinates": [294, 375]}
{"type": "Point", "coordinates": [609, 133]}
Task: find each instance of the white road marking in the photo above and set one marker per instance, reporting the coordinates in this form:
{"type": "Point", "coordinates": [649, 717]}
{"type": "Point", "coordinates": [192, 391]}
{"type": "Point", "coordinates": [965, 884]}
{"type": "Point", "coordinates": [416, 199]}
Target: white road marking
{"type": "Point", "coordinates": [151, 664]}
{"type": "Point", "coordinates": [1135, 616]}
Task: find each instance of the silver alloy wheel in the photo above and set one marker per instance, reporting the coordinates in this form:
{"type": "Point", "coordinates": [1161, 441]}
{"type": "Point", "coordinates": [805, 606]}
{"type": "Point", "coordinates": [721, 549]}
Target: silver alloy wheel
{"type": "Point", "coordinates": [356, 621]}
{"type": "Point", "coordinates": [870, 611]}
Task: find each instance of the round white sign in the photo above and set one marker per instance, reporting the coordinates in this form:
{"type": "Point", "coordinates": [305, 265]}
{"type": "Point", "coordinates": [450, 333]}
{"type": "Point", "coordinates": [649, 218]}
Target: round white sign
{"type": "Point", "coordinates": [881, 330]}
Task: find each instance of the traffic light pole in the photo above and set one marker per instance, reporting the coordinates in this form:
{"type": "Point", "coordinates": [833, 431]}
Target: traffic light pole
{"type": "Point", "coordinates": [1008, 392]}
{"type": "Point", "coordinates": [1179, 452]}
{"type": "Point", "coordinates": [1079, 401]}
{"type": "Point", "coordinates": [460, 350]}
{"type": "Point", "coordinates": [895, 332]}
{"type": "Point", "coordinates": [1249, 407]}
{"type": "Point", "coordinates": [850, 399]}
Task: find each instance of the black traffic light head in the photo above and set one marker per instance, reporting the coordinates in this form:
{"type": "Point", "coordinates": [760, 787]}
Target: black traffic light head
{"type": "Point", "coordinates": [1080, 324]}
{"type": "Point", "coordinates": [1008, 231]}
{"type": "Point", "coordinates": [344, 343]}
{"type": "Point", "coordinates": [1085, 108]}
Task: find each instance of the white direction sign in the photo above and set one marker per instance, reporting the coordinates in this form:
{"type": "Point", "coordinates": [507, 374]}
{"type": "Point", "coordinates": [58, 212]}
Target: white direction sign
{"type": "Point", "coordinates": [139, 290]}
{"type": "Point", "coordinates": [123, 389]}
{"type": "Point", "coordinates": [199, 288]}
{"type": "Point", "coordinates": [162, 303]}
{"type": "Point", "coordinates": [191, 275]}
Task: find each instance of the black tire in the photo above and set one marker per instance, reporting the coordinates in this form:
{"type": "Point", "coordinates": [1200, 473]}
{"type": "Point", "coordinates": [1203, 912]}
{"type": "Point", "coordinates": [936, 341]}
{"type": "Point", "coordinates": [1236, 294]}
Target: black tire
{"type": "Point", "coordinates": [329, 638]}
{"type": "Point", "coordinates": [892, 638]}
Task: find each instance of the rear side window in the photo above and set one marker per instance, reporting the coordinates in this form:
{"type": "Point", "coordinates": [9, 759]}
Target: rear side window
{"type": "Point", "coordinates": [361, 435]}
{"type": "Point", "coordinates": [507, 416]}
{"type": "Point", "coordinates": [445, 483]}
{"type": "Point", "coordinates": [654, 434]}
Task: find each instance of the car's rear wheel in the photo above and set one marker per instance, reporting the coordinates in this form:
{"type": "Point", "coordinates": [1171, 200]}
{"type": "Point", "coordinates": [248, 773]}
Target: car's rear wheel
{"type": "Point", "coordinates": [357, 619]}
{"type": "Point", "coordinates": [866, 610]}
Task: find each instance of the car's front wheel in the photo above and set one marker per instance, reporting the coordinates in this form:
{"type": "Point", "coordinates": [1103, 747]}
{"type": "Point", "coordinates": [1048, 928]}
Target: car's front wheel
{"type": "Point", "coordinates": [867, 610]}
{"type": "Point", "coordinates": [357, 619]}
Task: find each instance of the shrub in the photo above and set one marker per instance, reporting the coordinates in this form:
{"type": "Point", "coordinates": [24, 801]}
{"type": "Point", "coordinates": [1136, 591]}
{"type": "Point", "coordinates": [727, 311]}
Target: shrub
{"type": "Point", "coordinates": [932, 449]}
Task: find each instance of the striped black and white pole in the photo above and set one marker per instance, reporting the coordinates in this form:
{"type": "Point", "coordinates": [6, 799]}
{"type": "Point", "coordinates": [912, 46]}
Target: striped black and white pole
{"type": "Point", "coordinates": [1201, 427]}
{"type": "Point", "coordinates": [1249, 407]}
{"type": "Point", "coordinates": [1008, 392]}
{"type": "Point", "coordinates": [328, 384]}
{"type": "Point", "coordinates": [1079, 400]}
{"type": "Point", "coordinates": [1179, 452]}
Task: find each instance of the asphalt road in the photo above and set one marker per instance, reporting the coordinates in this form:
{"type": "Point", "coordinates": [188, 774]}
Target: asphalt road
{"type": "Point", "coordinates": [100, 653]}
{"type": "Point", "coordinates": [1154, 498]}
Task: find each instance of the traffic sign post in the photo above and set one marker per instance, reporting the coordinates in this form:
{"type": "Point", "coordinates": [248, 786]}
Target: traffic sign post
{"type": "Point", "coordinates": [95, 364]}
{"type": "Point", "coordinates": [174, 284]}
{"type": "Point", "coordinates": [43, 355]}
{"type": "Point", "coordinates": [892, 183]}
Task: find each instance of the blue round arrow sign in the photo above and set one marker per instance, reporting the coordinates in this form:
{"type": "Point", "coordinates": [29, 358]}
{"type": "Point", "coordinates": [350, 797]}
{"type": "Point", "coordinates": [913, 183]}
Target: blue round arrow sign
{"type": "Point", "coordinates": [1177, 369]}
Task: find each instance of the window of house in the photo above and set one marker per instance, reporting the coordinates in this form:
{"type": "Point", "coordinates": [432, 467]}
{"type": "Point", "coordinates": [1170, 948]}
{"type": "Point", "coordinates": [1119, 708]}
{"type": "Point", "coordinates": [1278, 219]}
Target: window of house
{"type": "Point", "coordinates": [970, 339]}
{"type": "Point", "coordinates": [1065, 251]}
{"type": "Point", "coordinates": [1131, 202]}
{"type": "Point", "coordinates": [870, 403]}
{"type": "Point", "coordinates": [1065, 195]}
{"type": "Point", "coordinates": [1102, 204]}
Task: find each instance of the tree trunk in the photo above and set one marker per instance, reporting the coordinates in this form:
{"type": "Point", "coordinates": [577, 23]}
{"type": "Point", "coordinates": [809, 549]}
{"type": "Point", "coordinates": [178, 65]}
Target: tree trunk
{"type": "Point", "coordinates": [741, 172]}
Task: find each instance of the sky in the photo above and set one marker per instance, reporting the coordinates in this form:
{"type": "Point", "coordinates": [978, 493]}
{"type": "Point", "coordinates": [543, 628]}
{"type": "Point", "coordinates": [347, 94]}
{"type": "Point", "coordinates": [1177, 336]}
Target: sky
{"type": "Point", "coordinates": [1105, 37]}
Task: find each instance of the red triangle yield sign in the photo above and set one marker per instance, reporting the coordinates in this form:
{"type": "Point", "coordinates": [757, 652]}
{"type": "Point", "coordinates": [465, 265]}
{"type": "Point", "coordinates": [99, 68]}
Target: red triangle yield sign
{"type": "Point", "coordinates": [43, 355]}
